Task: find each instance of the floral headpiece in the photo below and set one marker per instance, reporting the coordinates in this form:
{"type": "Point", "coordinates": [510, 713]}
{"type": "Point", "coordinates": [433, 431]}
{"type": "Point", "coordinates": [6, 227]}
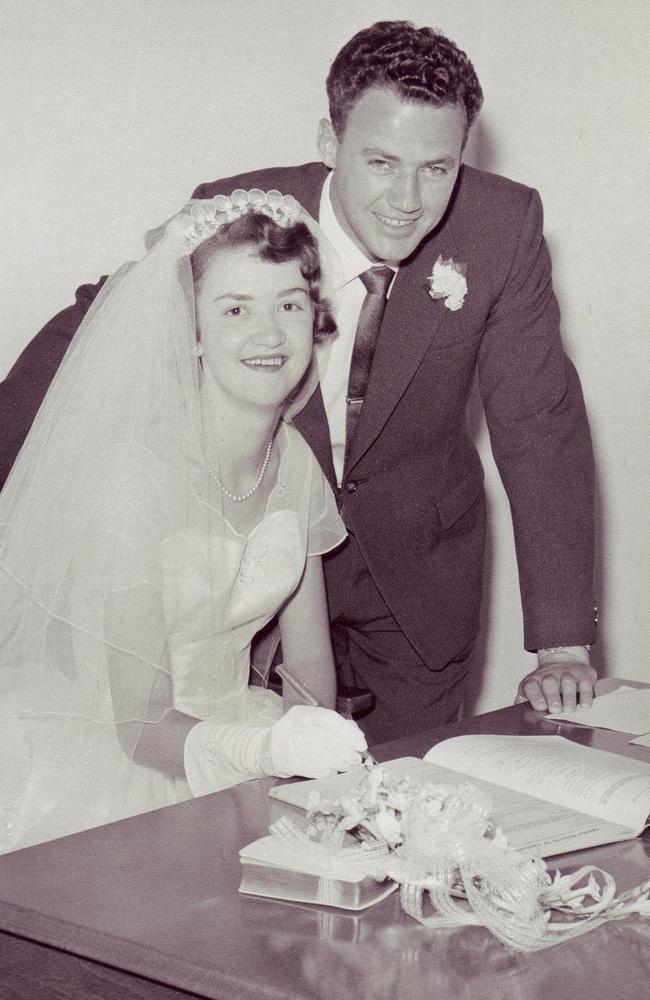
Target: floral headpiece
{"type": "Point", "coordinates": [201, 218]}
{"type": "Point", "coordinates": [205, 217]}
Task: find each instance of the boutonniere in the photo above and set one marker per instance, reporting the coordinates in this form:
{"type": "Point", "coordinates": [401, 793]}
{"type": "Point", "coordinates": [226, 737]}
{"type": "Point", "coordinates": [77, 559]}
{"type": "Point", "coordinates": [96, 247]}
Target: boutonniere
{"type": "Point", "coordinates": [447, 281]}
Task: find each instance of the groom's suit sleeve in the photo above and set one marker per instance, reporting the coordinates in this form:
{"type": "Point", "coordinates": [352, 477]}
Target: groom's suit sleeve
{"type": "Point", "coordinates": [24, 388]}
{"type": "Point", "coordinates": [541, 443]}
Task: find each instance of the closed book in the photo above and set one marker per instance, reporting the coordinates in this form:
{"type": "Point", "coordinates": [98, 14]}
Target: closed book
{"type": "Point", "coordinates": [273, 869]}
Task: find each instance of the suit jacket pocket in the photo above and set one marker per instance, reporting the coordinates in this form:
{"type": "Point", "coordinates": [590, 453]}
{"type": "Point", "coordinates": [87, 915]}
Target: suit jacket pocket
{"type": "Point", "coordinates": [458, 501]}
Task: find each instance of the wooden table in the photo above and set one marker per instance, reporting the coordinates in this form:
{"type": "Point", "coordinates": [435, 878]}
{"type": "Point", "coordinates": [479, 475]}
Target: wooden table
{"type": "Point", "coordinates": [149, 908]}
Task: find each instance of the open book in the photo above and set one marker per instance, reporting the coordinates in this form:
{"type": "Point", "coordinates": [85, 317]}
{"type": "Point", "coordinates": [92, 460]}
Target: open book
{"type": "Point", "coordinates": [549, 795]}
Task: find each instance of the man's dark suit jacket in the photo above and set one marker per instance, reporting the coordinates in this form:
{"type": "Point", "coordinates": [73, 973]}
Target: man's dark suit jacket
{"type": "Point", "coordinates": [413, 494]}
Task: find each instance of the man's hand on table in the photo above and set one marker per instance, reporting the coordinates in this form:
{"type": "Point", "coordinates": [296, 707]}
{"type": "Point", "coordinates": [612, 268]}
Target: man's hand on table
{"type": "Point", "coordinates": [563, 678]}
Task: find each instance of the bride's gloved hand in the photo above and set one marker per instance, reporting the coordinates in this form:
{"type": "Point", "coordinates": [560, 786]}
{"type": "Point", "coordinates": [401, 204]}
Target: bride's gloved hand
{"type": "Point", "coordinates": [313, 742]}
{"type": "Point", "coordinates": [307, 741]}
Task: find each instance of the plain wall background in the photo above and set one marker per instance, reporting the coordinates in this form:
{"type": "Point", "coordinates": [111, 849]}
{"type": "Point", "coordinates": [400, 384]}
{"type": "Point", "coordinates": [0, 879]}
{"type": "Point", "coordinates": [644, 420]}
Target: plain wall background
{"type": "Point", "coordinates": [114, 111]}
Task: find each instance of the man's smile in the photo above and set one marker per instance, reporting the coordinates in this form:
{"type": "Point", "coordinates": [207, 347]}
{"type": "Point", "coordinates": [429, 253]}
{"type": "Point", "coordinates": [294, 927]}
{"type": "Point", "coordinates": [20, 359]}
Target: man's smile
{"type": "Point", "coordinates": [395, 223]}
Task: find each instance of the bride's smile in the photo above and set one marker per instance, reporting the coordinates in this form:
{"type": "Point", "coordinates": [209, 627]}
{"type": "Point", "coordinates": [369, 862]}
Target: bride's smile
{"type": "Point", "coordinates": [268, 362]}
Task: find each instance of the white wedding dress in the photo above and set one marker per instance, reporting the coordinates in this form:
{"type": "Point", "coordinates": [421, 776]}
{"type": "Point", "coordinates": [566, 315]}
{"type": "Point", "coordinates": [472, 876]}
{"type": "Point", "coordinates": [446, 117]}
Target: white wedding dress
{"type": "Point", "coordinates": [124, 593]}
{"type": "Point", "coordinates": [214, 589]}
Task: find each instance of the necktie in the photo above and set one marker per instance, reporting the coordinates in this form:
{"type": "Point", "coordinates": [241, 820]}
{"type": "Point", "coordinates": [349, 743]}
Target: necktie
{"type": "Point", "coordinates": [376, 280]}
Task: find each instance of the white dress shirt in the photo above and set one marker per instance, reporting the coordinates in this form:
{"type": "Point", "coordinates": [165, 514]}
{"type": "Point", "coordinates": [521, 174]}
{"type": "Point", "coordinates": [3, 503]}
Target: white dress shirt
{"type": "Point", "coordinates": [335, 357]}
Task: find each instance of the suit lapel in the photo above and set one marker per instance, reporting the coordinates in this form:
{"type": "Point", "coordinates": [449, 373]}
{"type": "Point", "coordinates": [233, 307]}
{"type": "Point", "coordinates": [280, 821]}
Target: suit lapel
{"type": "Point", "coordinates": [410, 323]}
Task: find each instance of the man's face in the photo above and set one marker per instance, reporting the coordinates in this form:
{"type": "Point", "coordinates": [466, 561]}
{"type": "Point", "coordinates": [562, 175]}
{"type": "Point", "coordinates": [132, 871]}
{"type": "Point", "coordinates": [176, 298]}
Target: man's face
{"type": "Point", "coordinates": [395, 167]}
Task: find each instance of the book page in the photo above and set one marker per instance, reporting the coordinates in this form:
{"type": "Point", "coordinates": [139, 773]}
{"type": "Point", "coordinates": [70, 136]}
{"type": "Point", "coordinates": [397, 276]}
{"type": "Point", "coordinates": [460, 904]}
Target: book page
{"type": "Point", "coordinates": [532, 826]}
{"type": "Point", "coordinates": [600, 784]}
{"type": "Point", "coordinates": [626, 710]}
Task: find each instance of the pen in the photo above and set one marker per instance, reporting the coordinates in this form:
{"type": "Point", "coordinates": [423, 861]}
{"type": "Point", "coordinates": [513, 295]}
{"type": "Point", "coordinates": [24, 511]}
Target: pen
{"type": "Point", "coordinates": [310, 699]}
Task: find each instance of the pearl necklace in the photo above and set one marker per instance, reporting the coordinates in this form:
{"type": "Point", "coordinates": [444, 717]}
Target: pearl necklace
{"type": "Point", "coordinates": [241, 497]}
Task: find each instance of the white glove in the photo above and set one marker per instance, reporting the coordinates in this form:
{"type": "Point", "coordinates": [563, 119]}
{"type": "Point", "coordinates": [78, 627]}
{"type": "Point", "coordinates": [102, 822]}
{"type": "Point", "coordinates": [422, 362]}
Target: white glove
{"type": "Point", "coordinates": [219, 754]}
{"type": "Point", "coordinates": [307, 741]}
{"type": "Point", "coordinates": [314, 742]}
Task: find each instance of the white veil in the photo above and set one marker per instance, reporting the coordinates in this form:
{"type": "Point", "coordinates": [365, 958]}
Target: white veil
{"type": "Point", "coordinates": [97, 512]}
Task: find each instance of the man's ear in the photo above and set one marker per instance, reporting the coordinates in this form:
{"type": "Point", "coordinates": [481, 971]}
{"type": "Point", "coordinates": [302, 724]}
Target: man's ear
{"type": "Point", "coordinates": [328, 144]}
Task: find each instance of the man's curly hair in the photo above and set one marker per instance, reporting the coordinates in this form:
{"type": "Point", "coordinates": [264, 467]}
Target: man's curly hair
{"type": "Point", "coordinates": [418, 64]}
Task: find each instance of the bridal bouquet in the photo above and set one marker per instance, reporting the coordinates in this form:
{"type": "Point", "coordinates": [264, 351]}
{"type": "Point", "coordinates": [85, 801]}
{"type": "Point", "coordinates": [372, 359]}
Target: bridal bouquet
{"type": "Point", "coordinates": [455, 867]}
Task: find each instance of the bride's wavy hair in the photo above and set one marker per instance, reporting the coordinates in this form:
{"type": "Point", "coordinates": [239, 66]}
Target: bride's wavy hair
{"type": "Point", "coordinates": [277, 244]}
{"type": "Point", "coordinates": [418, 64]}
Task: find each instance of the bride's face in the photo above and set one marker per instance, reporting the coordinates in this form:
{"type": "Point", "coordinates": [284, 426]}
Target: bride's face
{"type": "Point", "coordinates": [256, 322]}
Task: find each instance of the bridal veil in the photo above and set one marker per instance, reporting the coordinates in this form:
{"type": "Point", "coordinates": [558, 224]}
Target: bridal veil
{"type": "Point", "coordinates": [107, 501]}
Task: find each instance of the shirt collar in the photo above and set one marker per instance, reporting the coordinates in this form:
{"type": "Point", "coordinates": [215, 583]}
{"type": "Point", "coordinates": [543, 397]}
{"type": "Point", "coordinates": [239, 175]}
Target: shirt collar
{"type": "Point", "coordinates": [353, 261]}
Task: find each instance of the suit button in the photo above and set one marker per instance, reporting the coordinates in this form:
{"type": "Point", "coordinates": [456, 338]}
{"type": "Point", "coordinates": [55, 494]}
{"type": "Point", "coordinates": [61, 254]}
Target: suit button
{"type": "Point", "coordinates": [351, 486]}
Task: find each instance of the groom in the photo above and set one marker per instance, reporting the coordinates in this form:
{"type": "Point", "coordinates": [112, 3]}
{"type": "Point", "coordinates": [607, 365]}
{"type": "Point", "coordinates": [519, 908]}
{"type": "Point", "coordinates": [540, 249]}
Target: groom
{"type": "Point", "coordinates": [444, 276]}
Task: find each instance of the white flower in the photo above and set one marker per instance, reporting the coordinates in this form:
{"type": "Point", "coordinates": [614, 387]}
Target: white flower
{"type": "Point", "coordinates": [447, 281]}
{"type": "Point", "coordinates": [389, 826]}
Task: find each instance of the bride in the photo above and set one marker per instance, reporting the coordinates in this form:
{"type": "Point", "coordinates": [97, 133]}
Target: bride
{"type": "Point", "coordinates": [161, 512]}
